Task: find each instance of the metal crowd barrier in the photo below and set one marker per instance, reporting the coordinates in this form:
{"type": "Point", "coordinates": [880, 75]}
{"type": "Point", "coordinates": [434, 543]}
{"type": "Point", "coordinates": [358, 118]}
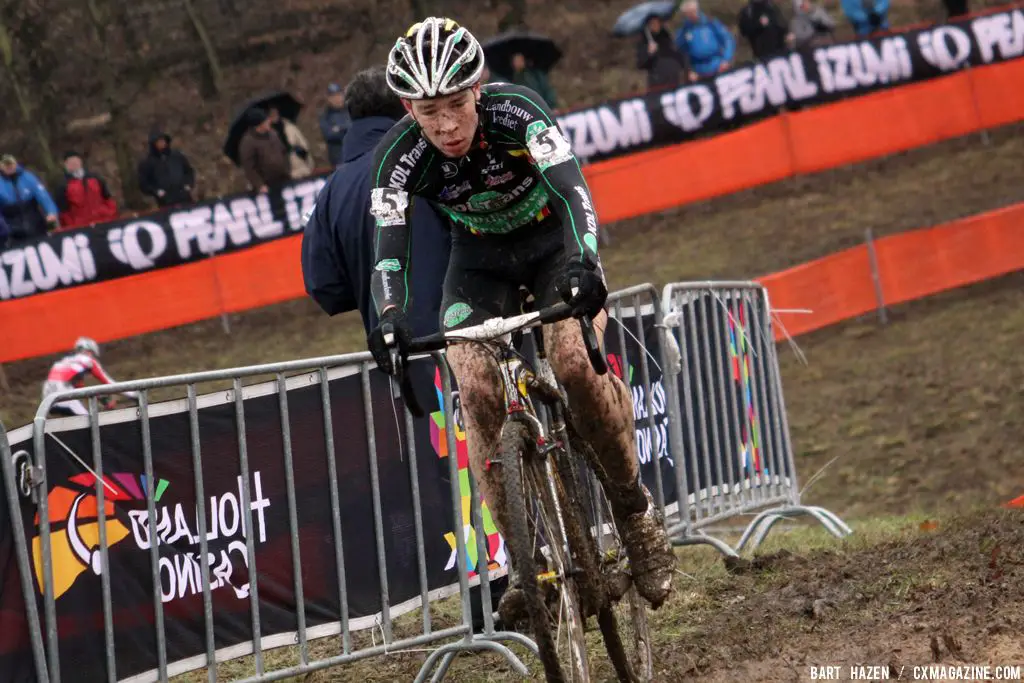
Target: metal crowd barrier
{"type": "Point", "coordinates": [316, 370]}
{"type": "Point", "coordinates": [730, 438]}
{"type": "Point", "coordinates": [712, 436]}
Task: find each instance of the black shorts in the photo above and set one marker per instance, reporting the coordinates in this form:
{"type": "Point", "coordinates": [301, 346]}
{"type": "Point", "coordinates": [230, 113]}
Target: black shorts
{"type": "Point", "coordinates": [486, 271]}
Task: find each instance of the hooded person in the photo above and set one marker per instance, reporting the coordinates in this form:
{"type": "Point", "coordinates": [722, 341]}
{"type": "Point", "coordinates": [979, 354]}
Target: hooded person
{"type": "Point", "coordinates": [83, 198]}
{"type": "Point", "coordinates": [166, 174]}
{"type": "Point", "coordinates": [27, 207]}
{"type": "Point", "coordinates": [762, 24]}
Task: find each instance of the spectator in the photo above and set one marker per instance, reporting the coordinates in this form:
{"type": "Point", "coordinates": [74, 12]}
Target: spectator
{"type": "Point", "coordinates": [811, 25]}
{"type": "Point", "coordinates": [524, 73]}
{"type": "Point", "coordinates": [705, 41]}
{"type": "Point", "coordinates": [83, 198]}
{"type": "Point", "coordinates": [761, 23]}
{"type": "Point", "coordinates": [867, 16]}
{"type": "Point", "coordinates": [300, 160]}
{"type": "Point", "coordinates": [263, 157]}
{"type": "Point", "coordinates": [5, 232]}
{"type": "Point", "coordinates": [27, 207]}
{"type": "Point", "coordinates": [338, 242]}
{"type": "Point", "coordinates": [166, 175]}
{"type": "Point", "coordinates": [656, 54]}
{"type": "Point", "coordinates": [334, 122]}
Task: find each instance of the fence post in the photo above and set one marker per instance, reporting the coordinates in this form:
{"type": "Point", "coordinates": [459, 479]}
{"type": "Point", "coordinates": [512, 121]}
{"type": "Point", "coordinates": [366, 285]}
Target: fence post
{"type": "Point", "coordinates": [876, 278]}
{"type": "Point", "coordinates": [983, 132]}
{"type": "Point", "coordinates": [224, 322]}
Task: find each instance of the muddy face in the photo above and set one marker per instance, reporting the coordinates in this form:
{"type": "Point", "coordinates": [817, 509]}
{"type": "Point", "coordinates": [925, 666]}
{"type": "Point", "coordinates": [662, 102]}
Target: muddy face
{"type": "Point", "coordinates": [449, 123]}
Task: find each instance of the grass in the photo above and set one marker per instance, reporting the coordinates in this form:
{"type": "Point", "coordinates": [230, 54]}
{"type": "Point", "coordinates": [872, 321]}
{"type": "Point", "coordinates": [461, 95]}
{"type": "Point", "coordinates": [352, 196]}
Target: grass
{"type": "Point", "coordinates": [800, 581]}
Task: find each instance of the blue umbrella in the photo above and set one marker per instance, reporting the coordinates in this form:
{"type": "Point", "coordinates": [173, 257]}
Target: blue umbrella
{"type": "Point", "coordinates": [633, 20]}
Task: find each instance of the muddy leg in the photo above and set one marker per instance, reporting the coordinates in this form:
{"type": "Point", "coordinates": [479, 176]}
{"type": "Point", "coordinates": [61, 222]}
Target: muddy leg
{"type": "Point", "coordinates": [603, 410]}
{"type": "Point", "coordinates": [483, 411]}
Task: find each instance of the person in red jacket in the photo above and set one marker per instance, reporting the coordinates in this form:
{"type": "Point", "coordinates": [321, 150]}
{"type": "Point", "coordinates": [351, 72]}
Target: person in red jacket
{"type": "Point", "coordinates": [84, 198]}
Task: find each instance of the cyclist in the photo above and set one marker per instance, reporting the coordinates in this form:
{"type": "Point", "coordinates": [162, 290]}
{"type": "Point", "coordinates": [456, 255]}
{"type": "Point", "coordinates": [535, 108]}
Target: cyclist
{"type": "Point", "coordinates": [69, 373]}
{"type": "Point", "coordinates": [492, 160]}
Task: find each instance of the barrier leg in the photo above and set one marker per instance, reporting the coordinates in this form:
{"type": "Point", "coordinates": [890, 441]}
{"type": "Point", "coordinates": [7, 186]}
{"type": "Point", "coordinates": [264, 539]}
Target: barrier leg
{"type": "Point", "coordinates": [703, 539]}
{"type": "Point", "coordinates": [472, 645]}
{"type": "Point", "coordinates": [24, 563]}
{"type": "Point", "coordinates": [758, 529]}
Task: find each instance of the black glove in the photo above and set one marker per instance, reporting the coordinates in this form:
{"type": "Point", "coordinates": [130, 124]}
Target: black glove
{"type": "Point", "coordinates": [391, 322]}
{"type": "Point", "coordinates": [591, 292]}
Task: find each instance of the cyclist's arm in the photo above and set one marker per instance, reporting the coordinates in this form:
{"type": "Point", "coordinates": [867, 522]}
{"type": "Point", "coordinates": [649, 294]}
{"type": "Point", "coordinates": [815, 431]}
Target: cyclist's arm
{"type": "Point", "coordinates": [394, 166]}
{"type": "Point", "coordinates": [100, 374]}
{"type": "Point", "coordinates": [552, 155]}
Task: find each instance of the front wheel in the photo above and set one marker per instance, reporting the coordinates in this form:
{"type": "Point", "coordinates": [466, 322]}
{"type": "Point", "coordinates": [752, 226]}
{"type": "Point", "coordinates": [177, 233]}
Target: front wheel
{"type": "Point", "coordinates": [540, 558]}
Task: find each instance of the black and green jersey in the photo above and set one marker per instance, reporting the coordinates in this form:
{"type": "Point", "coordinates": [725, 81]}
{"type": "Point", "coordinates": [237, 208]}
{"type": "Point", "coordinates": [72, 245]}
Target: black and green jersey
{"type": "Point", "coordinates": [519, 171]}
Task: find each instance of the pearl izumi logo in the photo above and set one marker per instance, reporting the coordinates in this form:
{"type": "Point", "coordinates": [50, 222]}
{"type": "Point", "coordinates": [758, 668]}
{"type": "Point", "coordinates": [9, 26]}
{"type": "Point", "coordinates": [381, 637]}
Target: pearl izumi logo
{"type": "Point", "coordinates": [46, 266]}
{"type": "Point", "coordinates": [138, 245]}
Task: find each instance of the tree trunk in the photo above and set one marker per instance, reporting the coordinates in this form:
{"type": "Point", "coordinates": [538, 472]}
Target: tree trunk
{"type": "Point", "coordinates": [27, 115]}
{"type": "Point", "coordinates": [130, 193]}
{"type": "Point", "coordinates": [515, 17]}
{"type": "Point", "coordinates": [214, 72]}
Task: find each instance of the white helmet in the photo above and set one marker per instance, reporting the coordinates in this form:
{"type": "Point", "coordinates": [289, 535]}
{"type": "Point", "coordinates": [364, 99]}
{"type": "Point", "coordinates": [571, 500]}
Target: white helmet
{"type": "Point", "coordinates": [85, 344]}
{"type": "Point", "coordinates": [435, 57]}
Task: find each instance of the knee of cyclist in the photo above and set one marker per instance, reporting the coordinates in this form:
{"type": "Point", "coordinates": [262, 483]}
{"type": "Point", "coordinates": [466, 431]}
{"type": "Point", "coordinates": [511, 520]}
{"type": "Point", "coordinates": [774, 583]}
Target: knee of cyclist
{"type": "Point", "coordinates": [572, 367]}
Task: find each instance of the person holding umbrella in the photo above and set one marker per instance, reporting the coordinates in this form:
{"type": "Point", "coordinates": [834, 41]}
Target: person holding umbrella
{"type": "Point", "coordinates": [299, 157]}
{"type": "Point", "coordinates": [525, 59]}
{"type": "Point", "coordinates": [656, 53]}
{"type": "Point", "coordinates": [261, 154]}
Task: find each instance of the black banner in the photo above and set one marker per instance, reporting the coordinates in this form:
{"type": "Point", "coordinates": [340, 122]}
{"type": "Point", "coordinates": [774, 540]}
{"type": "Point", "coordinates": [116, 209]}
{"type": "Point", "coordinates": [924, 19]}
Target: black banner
{"type": "Point", "coordinates": [796, 79]}
{"type": "Point", "coordinates": [740, 96]}
{"type": "Point", "coordinates": [722, 369]}
{"type": "Point", "coordinates": [159, 240]}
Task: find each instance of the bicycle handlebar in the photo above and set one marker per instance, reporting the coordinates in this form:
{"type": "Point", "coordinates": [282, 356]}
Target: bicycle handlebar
{"type": "Point", "coordinates": [489, 330]}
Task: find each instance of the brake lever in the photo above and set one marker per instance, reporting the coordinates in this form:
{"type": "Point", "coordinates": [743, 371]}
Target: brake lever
{"type": "Point", "coordinates": [590, 341]}
{"type": "Point", "coordinates": [399, 366]}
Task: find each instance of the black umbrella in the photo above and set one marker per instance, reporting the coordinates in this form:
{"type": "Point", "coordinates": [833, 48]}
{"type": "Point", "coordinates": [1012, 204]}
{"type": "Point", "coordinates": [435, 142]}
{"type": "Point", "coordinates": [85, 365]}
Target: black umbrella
{"type": "Point", "coordinates": [285, 103]}
{"type": "Point", "coordinates": [635, 18]}
{"type": "Point", "coordinates": [540, 50]}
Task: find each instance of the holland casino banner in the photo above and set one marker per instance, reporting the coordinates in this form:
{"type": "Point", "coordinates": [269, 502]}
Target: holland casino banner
{"type": "Point", "coordinates": [797, 79]}
{"type": "Point", "coordinates": [73, 509]}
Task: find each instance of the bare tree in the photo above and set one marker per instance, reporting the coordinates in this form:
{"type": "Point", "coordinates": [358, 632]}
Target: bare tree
{"type": "Point", "coordinates": [28, 112]}
{"type": "Point", "coordinates": [215, 73]}
{"type": "Point", "coordinates": [101, 21]}
{"type": "Point", "coordinates": [515, 17]}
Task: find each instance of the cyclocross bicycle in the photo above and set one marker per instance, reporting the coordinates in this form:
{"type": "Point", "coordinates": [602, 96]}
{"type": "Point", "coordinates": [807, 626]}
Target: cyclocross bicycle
{"type": "Point", "coordinates": [572, 564]}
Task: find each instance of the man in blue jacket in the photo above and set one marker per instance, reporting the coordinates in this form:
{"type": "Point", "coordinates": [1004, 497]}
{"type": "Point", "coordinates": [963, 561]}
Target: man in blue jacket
{"type": "Point", "coordinates": [706, 41]}
{"type": "Point", "coordinates": [337, 245]}
{"type": "Point", "coordinates": [867, 16]}
{"type": "Point", "coordinates": [27, 207]}
{"type": "Point", "coordinates": [5, 232]}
